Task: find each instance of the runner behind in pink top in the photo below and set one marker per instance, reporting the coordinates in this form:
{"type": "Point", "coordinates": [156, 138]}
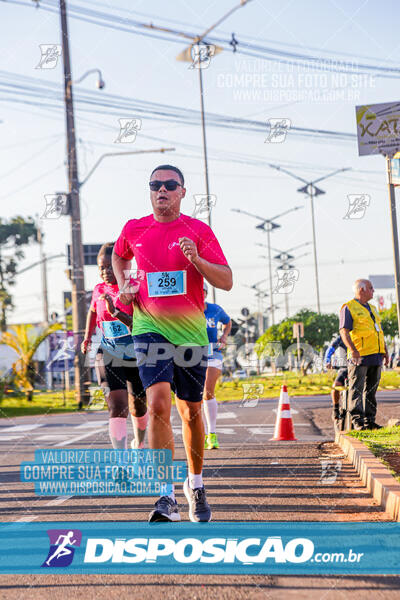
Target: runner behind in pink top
{"type": "Point", "coordinates": [116, 337]}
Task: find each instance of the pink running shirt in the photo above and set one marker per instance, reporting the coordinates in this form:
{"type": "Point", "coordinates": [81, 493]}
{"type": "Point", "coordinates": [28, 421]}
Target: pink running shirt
{"type": "Point", "coordinates": [155, 247]}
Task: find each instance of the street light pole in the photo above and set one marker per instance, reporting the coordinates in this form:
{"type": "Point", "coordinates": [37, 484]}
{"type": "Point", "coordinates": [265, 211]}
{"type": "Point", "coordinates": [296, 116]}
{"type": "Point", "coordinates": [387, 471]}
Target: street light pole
{"type": "Point", "coordinates": [43, 265]}
{"type": "Point", "coordinates": [270, 272]}
{"type": "Point", "coordinates": [311, 190]}
{"type": "Point", "coordinates": [311, 195]}
{"type": "Point", "coordinates": [259, 295]}
{"type": "Point", "coordinates": [395, 236]}
{"type": "Point", "coordinates": [82, 375]}
{"type": "Point", "coordinates": [271, 225]}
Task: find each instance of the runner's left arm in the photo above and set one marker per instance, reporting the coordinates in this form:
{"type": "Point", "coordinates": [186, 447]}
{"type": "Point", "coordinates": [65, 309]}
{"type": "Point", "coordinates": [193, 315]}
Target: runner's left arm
{"type": "Point", "coordinates": [217, 275]}
{"type": "Point", "coordinates": [225, 332]}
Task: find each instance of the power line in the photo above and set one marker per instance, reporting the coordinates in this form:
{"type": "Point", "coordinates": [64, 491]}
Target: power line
{"type": "Point", "coordinates": [247, 48]}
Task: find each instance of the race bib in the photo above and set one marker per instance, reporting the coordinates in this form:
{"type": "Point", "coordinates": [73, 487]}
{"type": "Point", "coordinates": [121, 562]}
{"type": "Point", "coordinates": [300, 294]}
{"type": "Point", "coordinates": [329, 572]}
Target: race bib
{"type": "Point", "coordinates": [166, 283]}
{"type": "Point", "coordinates": [114, 329]}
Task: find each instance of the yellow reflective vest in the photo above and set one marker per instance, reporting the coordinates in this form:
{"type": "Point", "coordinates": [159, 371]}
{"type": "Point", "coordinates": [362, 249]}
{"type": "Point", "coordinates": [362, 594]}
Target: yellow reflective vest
{"type": "Point", "coordinates": [366, 335]}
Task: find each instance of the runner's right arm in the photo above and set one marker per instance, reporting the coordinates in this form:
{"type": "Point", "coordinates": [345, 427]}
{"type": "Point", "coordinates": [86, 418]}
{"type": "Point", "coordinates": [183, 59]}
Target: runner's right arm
{"type": "Point", "coordinates": [345, 326]}
{"type": "Point", "coordinates": [116, 312]}
{"type": "Point", "coordinates": [89, 330]}
{"type": "Point", "coordinates": [120, 265]}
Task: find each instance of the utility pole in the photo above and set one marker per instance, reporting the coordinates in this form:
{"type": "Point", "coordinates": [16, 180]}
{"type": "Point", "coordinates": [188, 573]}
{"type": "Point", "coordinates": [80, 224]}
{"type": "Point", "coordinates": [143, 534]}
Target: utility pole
{"type": "Point", "coordinates": [43, 265]}
{"type": "Point", "coordinates": [82, 376]}
{"type": "Point", "coordinates": [43, 268]}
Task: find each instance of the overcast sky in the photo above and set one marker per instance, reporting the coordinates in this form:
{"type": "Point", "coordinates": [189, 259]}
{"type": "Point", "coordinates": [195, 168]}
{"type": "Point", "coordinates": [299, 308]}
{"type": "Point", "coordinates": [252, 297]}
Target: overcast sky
{"type": "Point", "coordinates": [32, 142]}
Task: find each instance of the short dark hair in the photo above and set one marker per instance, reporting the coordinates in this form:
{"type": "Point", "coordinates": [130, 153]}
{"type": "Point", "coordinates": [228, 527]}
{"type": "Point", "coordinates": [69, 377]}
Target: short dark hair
{"type": "Point", "coordinates": [106, 250]}
{"type": "Point", "coordinates": [169, 168]}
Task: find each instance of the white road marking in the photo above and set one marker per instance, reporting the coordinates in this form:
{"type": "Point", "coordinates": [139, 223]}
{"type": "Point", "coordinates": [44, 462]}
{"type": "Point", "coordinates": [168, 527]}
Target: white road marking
{"type": "Point", "coordinates": [79, 437]}
{"type": "Point", "coordinates": [8, 438]}
{"type": "Point", "coordinates": [26, 519]}
{"type": "Point", "coordinates": [226, 415]}
{"type": "Point", "coordinates": [58, 500]}
{"type": "Point", "coordinates": [226, 431]}
{"type": "Point", "coordinates": [15, 428]}
{"type": "Point", "coordinates": [90, 424]}
{"type": "Point", "coordinates": [260, 430]}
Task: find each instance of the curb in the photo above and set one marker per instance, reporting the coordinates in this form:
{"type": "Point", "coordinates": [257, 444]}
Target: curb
{"type": "Point", "coordinates": [373, 473]}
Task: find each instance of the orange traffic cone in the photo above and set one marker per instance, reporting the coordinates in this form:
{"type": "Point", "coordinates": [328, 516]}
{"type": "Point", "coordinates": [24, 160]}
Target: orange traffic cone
{"type": "Point", "coordinates": [284, 429]}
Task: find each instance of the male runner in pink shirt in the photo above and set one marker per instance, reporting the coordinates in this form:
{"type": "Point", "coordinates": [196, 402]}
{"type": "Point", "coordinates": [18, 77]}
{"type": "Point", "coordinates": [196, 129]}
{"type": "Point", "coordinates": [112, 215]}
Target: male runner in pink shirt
{"type": "Point", "coordinates": [173, 253]}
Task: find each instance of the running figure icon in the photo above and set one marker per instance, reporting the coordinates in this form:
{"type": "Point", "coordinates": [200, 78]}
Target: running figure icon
{"type": "Point", "coordinates": [62, 549]}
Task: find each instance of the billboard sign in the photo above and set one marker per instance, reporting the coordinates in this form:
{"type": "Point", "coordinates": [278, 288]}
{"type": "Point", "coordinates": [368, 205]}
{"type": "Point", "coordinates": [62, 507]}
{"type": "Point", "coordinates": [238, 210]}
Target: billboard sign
{"type": "Point", "coordinates": [382, 282]}
{"type": "Point", "coordinates": [378, 128]}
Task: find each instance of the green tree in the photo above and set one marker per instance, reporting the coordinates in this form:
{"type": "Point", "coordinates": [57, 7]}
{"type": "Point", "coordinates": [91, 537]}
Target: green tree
{"type": "Point", "coordinates": [389, 321]}
{"type": "Point", "coordinates": [318, 329]}
{"type": "Point", "coordinates": [24, 340]}
{"type": "Point", "coordinates": [14, 233]}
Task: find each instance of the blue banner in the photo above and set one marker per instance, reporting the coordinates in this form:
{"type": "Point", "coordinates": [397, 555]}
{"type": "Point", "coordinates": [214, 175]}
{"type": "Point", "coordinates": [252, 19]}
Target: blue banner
{"type": "Point", "coordinates": [102, 472]}
{"type": "Point", "coordinates": [258, 548]}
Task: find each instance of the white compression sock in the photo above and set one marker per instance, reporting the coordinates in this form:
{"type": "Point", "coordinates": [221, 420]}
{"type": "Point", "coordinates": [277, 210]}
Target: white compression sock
{"type": "Point", "coordinates": [210, 411]}
{"type": "Point", "coordinates": [203, 414]}
{"type": "Point", "coordinates": [195, 481]}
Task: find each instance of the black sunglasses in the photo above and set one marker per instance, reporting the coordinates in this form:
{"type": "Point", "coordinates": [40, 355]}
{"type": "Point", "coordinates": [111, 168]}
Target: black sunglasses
{"type": "Point", "coordinates": [170, 185]}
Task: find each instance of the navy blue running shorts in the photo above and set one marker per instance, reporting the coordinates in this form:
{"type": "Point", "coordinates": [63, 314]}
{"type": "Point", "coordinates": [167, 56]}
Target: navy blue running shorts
{"type": "Point", "coordinates": [184, 367]}
{"type": "Point", "coordinates": [118, 376]}
{"type": "Point", "coordinates": [341, 377]}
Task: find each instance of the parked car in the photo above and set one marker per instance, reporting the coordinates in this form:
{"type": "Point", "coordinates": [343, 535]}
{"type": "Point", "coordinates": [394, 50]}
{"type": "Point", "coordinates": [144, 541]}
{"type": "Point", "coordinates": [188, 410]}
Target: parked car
{"type": "Point", "coordinates": [239, 374]}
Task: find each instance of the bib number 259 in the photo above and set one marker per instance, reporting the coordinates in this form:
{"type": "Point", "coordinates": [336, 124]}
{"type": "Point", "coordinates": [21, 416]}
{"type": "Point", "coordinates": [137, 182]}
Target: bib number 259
{"type": "Point", "coordinates": [166, 283]}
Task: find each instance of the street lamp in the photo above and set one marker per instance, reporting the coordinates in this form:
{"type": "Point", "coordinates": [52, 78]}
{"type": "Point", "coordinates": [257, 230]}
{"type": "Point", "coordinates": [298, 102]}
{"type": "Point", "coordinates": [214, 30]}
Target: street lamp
{"type": "Point", "coordinates": [284, 257]}
{"type": "Point", "coordinates": [311, 190]}
{"type": "Point", "coordinates": [186, 56]}
{"type": "Point", "coordinates": [268, 225]}
{"type": "Point", "coordinates": [107, 154]}
{"type": "Point", "coordinates": [259, 295]}
{"type": "Point", "coordinates": [100, 83]}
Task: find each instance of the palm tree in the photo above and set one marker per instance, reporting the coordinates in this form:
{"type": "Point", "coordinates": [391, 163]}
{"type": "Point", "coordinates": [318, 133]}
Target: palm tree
{"type": "Point", "coordinates": [24, 340]}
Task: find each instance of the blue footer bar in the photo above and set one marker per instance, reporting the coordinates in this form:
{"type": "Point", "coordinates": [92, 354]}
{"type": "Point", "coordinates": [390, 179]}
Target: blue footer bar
{"type": "Point", "coordinates": [258, 548]}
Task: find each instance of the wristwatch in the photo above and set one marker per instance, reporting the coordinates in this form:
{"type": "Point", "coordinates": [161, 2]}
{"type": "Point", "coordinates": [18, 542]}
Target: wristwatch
{"type": "Point", "coordinates": [116, 311]}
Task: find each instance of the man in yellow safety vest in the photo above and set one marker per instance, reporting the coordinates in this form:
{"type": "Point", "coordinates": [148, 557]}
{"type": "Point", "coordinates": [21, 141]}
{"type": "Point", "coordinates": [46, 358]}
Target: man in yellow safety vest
{"type": "Point", "coordinates": [361, 331]}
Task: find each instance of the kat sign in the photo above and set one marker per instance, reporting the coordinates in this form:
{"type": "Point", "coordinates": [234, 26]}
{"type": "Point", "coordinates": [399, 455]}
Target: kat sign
{"type": "Point", "coordinates": [378, 128]}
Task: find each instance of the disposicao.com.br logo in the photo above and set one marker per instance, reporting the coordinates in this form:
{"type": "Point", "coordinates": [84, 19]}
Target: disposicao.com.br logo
{"type": "Point", "coordinates": [211, 550]}
{"type": "Point", "coordinates": [217, 547]}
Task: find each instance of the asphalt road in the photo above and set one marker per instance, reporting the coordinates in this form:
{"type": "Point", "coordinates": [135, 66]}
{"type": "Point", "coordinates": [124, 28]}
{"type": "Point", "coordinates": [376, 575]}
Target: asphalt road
{"type": "Point", "coordinates": [249, 479]}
